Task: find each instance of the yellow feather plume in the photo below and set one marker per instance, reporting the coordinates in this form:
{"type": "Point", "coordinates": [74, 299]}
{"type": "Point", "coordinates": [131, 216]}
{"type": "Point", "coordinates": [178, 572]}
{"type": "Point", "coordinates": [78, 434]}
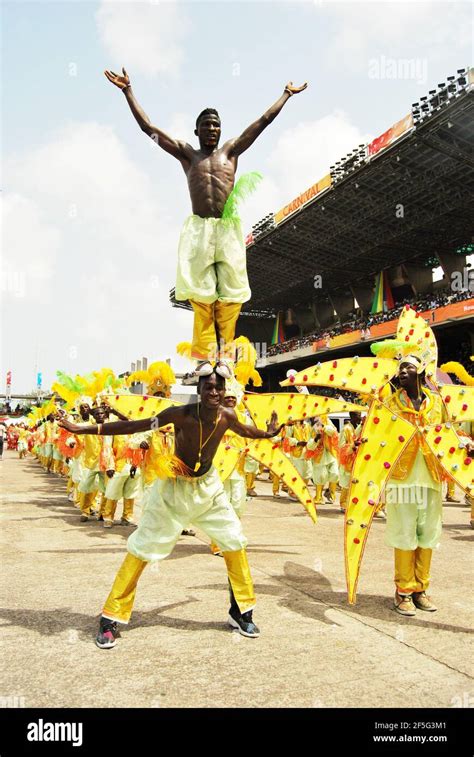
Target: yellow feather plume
{"type": "Point", "coordinates": [184, 349]}
{"type": "Point", "coordinates": [459, 371]}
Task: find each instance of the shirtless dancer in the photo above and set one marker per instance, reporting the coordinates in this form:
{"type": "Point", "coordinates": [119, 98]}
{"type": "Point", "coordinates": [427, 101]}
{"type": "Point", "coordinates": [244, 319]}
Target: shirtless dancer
{"type": "Point", "coordinates": [212, 268]}
{"type": "Point", "coordinates": [194, 495]}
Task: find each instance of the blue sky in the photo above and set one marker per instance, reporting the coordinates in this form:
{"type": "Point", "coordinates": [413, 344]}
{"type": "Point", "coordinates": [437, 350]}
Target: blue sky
{"type": "Point", "coordinates": [93, 209]}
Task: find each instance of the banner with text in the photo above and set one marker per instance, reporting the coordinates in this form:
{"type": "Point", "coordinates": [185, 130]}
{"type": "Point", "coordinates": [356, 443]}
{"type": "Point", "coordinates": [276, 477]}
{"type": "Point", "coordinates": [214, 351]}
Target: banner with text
{"type": "Point", "coordinates": [302, 199]}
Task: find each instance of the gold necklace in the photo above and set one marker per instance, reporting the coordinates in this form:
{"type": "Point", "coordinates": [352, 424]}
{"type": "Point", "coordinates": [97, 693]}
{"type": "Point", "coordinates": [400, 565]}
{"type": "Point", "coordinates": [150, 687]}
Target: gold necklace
{"type": "Point", "coordinates": [201, 445]}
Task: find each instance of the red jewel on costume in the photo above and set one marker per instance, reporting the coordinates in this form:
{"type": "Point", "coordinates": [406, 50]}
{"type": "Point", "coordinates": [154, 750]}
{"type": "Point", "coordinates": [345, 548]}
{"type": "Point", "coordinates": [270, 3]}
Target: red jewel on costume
{"type": "Point", "coordinates": [141, 409]}
{"type": "Point", "coordinates": [364, 380]}
{"type": "Point", "coordinates": [355, 500]}
{"type": "Point", "coordinates": [376, 420]}
{"type": "Point", "coordinates": [437, 428]}
{"type": "Point", "coordinates": [371, 501]}
{"type": "Point", "coordinates": [367, 457]}
{"type": "Point", "coordinates": [411, 332]}
{"type": "Point", "coordinates": [467, 461]}
{"type": "Point", "coordinates": [305, 378]}
{"type": "Point", "coordinates": [464, 407]}
{"type": "Point", "coordinates": [376, 365]}
{"type": "Point", "coordinates": [356, 541]}
{"type": "Point", "coordinates": [386, 465]}
{"type": "Point", "coordinates": [331, 377]}
{"type": "Point", "coordinates": [447, 399]}
{"type": "Point", "coordinates": [427, 333]}
{"type": "Point", "coordinates": [334, 365]}
{"type": "Point", "coordinates": [452, 450]}
{"type": "Point", "coordinates": [437, 440]}
{"type": "Point", "coordinates": [292, 379]}
{"type": "Point", "coordinates": [294, 479]}
{"type": "Point", "coordinates": [401, 438]}
{"type": "Point", "coordinates": [290, 407]}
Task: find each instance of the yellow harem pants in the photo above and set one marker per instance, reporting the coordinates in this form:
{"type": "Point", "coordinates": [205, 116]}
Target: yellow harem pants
{"type": "Point", "coordinates": [212, 275]}
{"type": "Point", "coordinates": [172, 505]}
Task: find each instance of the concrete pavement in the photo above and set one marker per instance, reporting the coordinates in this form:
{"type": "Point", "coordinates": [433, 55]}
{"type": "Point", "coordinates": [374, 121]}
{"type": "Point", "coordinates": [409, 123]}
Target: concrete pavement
{"type": "Point", "coordinates": [315, 650]}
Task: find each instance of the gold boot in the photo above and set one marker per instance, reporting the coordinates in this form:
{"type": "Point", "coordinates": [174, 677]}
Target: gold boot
{"type": "Point", "coordinates": [204, 345]}
{"type": "Point", "coordinates": [226, 315]}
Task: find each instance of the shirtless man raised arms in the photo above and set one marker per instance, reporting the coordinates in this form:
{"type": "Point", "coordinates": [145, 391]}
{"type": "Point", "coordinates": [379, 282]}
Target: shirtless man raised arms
{"type": "Point", "coordinates": [212, 269]}
{"type": "Point", "coordinates": [194, 495]}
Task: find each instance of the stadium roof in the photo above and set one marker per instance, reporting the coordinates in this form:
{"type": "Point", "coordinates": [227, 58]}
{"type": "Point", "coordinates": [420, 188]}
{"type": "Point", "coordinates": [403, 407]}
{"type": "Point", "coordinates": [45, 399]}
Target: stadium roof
{"type": "Point", "coordinates": [404, 196]}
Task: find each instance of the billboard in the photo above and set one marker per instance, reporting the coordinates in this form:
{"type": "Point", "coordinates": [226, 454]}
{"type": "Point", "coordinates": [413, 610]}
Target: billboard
{"type": "Point", "coordinates": [303, 198]}
{"type": "Point", "coordinates": [389, 136]}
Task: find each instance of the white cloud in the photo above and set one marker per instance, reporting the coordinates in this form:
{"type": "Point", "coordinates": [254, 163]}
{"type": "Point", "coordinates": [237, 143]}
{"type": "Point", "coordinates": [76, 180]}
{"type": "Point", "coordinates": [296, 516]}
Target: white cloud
{"type": "Point", "coordinates": [394, 29]}
{"type": "Point", "coordinates": [84, 217]}
{"type": "Point", "coordinates": [30, 248]}
{"type": "Point", "coordinates": [144, 37]}
{"type": "Point", "coordinates": [302, 155]}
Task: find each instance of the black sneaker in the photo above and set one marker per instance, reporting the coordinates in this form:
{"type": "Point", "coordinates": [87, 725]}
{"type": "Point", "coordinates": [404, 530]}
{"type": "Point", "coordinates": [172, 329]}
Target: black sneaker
{"type": "Point", "coordinates": [108, 632]}
{"type": "Point", "coordinates": [243, 622]}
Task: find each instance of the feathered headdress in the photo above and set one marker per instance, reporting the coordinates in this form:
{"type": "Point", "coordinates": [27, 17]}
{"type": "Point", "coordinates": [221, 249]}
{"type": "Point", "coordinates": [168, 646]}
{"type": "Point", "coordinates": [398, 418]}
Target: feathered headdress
{"type": "Point", "coordinates": [244, 369]}
{"type": "Point", "coordinates": [159, 377]}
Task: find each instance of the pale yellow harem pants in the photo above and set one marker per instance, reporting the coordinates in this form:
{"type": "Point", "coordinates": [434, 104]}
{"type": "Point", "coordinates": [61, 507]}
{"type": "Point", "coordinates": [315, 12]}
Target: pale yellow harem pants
{"type": "Point", "coordinates": [212, 275]}
{"type": "Point", "coordinates": [414, 525]}
{"type": "Point", "coordinates": [171, 506]}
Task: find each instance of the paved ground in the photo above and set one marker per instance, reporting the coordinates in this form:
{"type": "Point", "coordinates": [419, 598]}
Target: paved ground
{"type": "Point", "coordinates": [315, 650]}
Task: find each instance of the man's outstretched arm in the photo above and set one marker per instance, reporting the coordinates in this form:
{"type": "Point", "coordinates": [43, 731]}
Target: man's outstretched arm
{"type": "Point", "coordinates": [248, 137]}
{"type": "Point", "coordinates": [174, 147]}
{"type": "Point", "coordinates": [124, 427]}
{"type": "Point", "coordinates": [252, 432]}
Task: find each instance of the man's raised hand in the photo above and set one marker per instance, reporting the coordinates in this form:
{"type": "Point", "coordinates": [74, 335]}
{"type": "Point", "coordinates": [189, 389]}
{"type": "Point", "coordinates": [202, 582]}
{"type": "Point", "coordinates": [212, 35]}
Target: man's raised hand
{"type": "Point", "coordinates": [120, 81]}
{"type": "Point", "coordinates": [274, 428]}
{"type": "Point", "coordinates": [295, 90]}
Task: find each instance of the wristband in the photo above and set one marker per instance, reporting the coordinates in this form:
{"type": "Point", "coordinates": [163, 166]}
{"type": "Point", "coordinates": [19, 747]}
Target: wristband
{"type": "Point", "coordinates": [288, 90]}
{"type": "Point", "coordinates": [126, 87]}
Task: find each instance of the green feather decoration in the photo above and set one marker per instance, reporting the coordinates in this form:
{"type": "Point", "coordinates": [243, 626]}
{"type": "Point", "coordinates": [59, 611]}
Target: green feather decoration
{"type": "Point", "coordinates": [244, 187]}
{"type": "Point", "coordinates": [392, 348]}
{"type": "Point", "coordinates": [68, 382]}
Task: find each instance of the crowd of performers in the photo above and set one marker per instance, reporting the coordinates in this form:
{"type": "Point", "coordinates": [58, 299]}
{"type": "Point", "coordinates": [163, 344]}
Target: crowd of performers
{"type": "Point", "coordinates": [121, 461]}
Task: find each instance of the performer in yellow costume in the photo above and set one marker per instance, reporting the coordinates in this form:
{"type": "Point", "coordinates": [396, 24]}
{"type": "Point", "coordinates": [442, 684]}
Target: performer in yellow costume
{"type": "Point", "coordinates": [297, 435]}
{"type": "Point", "coordinates": [23, 436]}
{"type": "Point", "coordinates": [192, 493]}
{"type": "Point", "coordinates": [414, 502]}
{"type": "Point", "coordinates": [123, 483]}
{"type": "Point", "coordinates": [347, 453]}
{"type": "Point", "coordinates": [323, 451]}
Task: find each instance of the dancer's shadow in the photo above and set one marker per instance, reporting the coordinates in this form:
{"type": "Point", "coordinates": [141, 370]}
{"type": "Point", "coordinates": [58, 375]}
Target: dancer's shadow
{"type": "Point", "coordinates": [310, 594]}
{"type": "Point", "coordinates": [55, 621]}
